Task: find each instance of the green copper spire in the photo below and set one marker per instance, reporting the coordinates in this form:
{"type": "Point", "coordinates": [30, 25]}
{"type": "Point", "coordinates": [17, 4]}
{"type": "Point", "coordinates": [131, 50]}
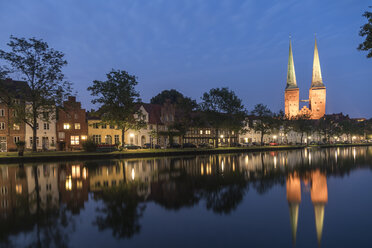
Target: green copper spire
{"type": "Point", "coordinates": [317, 74]}
{"type": "Point", "coordinates": [291, 75]}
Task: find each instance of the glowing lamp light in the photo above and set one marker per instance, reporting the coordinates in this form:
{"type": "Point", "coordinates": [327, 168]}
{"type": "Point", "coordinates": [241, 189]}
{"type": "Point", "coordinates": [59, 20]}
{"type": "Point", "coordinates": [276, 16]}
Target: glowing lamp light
{"type": "Point", "coordinates": [309, 137]}
{"type": "Point", "coordinates": [131, 135]}
{"type": "Point", "coordinates": [274, 136]}
{"type": "Point", "coordinates": [354, 137]}
{"type": "Point", "coordinates": [221, 136]}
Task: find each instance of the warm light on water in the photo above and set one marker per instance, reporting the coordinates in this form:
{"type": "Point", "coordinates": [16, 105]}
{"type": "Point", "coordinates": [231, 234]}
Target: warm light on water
{"type": "Point", "coordinates": [302, 198]}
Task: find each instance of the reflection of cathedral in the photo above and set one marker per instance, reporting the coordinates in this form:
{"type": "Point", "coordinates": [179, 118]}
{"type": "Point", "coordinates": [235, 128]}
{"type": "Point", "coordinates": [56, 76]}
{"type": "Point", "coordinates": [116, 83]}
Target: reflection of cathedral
{"type": "Point", "coordinates": [319, 198]}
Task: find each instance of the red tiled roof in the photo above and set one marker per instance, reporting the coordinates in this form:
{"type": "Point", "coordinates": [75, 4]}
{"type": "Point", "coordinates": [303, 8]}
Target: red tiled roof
{"type": "Point", "coordinates": [154, 111]}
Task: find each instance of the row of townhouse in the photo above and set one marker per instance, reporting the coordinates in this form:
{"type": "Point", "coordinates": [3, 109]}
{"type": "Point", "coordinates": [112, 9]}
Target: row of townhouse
{"type": "Point", "coordinates": [70, 125]}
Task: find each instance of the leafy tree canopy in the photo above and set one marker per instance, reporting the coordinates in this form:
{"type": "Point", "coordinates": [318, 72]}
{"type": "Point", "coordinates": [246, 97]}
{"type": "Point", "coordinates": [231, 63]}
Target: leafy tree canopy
{"type": "Point", "coordinates": [366, 30]}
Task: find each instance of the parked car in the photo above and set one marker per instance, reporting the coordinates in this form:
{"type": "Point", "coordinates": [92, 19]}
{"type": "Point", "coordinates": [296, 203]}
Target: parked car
{"type": "Point", "coordinates": [174, 145]}
{"type": "Point", "coordinates": [205, 145]}
{"type": "Point", "coordinates": [246, 144]}
{"type": "Point", "coordinates": [188, 145]}
{"type": "Point", "coordinates": [273, 144]}
{"type": "Point", "coordinates": [256, 143]}
{"type": "Point", "coordinates": [235, 144]}
{"type": "Point", "coordinates": [131, 147]}
{"type": "Point", "coordinates": [148, 146]}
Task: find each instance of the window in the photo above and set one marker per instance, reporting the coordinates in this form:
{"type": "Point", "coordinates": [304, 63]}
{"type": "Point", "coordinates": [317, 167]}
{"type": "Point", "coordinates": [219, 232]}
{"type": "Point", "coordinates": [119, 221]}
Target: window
{"type": "Point", "coordinates": [201, 131]}
{"type": "Point", "coordinates": [61, 135]}
{"type": "Point", "coordinates": [112, 127]}
{"type": "Point", "coordinates": [16, 101]}
{"type": "Point", "coordinates": [117, 140]}
{"type": "Point", "coordinates": [53, 144]}
{"type": "Point", "coordinates": [46, 126]}
{"type": "Point", "coordinates": [2, 112]}
{"type": "Point", "coordinates": [48, 187]}
{"type": "Point", "coordinates": [15, 113]}
{"type": "Point", "coordinates": [97, 139]}
{"type": "Point", "coordinates": [31, 141]}
{"type": "Point", "coordinates": [108, 139]}
{"type": "Point", "coordinates": [207, 131]}
{"type": "Point", "coordinates": [2, 125]}
{"type": "Point", "coordinates": [83, 137]}
{"type": "Point", "coordinates": [79, 184]}
{"type": "Point", "coordinates": [76, 116]}
{"type": "Point", "coordinates": [37, 141]}
{"type": "Point", "coordinates": [45, 115]}
{"type": "Point", "coordinates": [74, 140]}
{"type": "Point", "coordinates": [95, 125]}
{"type": "Point", "coordinates": [66, 125]}
{"type": "Point", "coordinates": [16, 127]}
{"type": "Point", "coordinates": [19, 188]}
{"type": "Point", "coordinates": [77, 125]}
{"type": "Point", "coordinates": [16, 139]}
{"type": "Point", "coordinates": [104, 126]}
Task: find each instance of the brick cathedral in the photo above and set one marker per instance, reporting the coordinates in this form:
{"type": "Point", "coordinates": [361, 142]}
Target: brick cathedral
{"type": "Point", "coordinates": [317, 93]}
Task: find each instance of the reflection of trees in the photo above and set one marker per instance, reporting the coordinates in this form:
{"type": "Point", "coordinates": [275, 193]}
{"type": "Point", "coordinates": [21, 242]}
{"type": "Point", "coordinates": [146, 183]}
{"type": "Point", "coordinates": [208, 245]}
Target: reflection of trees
{"type": "Point", "coordinates": [224, 193]}
{"type": "Point", "coordinates": [46, 223]}
{"type": "Point", "coordinates": [121, 211]}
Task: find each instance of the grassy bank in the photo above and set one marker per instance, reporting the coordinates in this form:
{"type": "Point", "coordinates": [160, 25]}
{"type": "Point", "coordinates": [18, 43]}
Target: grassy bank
{"type": "Point", "coordinates": [12, 157]}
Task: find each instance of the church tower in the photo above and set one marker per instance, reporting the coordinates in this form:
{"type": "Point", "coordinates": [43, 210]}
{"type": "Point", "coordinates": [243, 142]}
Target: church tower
{"type": "Point", "coordinates": [292, 93]}
{"type": "Point", "coordinates": [317, 93]}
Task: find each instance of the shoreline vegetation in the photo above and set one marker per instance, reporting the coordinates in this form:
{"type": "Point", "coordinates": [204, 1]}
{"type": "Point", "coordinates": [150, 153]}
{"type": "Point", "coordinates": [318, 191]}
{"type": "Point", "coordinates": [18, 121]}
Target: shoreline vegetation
{"type": "Point", "coordinates": [12, 157]}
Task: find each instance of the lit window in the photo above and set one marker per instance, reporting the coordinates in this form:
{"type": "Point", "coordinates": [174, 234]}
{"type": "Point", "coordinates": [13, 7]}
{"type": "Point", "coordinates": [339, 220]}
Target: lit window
{"type": "Point", "coordinates": [16, 127]}
{"type": "Point", "coordinates": [83, 137]}
{"type": "Point", "coordinates": [74, 140]}
{"type": "Point", "coordinates": [77, 125]}
{"type": "Point", "coordinates": [68, 183]}
{"type": "Point", "coordinates": [207, 131]}
{"type": "Point", "coordinates": [66, 125]}
{"type": "Point", "coordinates": [201, 131]}
{"type": "Point", "coordinates": [75, 171]}
{"type": "Point", "coordinates": [2, 125]}
{"type": "Point", "coordinates": [19, 188]}
{"type": "Point", "coordinates": [79, 184]}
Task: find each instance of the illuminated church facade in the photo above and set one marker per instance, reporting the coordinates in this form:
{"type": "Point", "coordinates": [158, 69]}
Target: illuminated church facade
{"type": "Point", "coordinates": [317, 93]}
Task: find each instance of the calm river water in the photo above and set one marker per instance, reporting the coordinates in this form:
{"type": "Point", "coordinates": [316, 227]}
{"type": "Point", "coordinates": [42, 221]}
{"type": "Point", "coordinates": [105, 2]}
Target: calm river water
{"type": "Point", "coordinates": [301, 198]}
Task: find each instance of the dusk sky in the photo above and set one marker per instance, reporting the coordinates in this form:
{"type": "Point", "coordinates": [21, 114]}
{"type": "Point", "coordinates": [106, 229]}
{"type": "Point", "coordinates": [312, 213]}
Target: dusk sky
{"type": "Point", "coordinates": [195, 45]}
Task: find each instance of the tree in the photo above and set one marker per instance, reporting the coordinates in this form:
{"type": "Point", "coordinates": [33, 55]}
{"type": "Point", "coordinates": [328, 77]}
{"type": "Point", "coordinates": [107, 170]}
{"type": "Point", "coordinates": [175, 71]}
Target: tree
{"type": "Point", "coordinates": [366, 30]}
{"type": "Point", "coordinates": [41, 68]}
{"type": "Point", "coordinates": [265, 121]}
{"type": "Point", "coordinates": [119, 101]}
{"type": "Point", "coordinates": [223, 109]}
{"type": "Point", "coordinates": [302, 125]}
{"type": "Point", "coordinates": [285, 124]}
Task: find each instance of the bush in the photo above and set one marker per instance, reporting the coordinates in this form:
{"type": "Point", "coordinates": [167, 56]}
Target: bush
{"type": "Point", "coordinates": [89, 145]}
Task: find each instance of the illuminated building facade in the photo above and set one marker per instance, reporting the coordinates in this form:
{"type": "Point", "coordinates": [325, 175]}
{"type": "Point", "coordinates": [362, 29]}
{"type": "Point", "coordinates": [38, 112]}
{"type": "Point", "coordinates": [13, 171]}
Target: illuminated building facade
{"type": "Point", "coordinates": [317, 92]}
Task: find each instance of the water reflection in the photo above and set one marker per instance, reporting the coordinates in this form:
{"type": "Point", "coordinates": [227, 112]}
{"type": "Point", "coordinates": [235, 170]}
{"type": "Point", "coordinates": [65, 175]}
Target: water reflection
{"type": "Point", "coordinates": [40, 201]}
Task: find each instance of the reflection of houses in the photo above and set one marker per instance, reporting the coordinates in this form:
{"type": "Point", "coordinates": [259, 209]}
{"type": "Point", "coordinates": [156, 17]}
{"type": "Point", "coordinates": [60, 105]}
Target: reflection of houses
{"type": "Point", "coordinates": [106, 176]}
{"type": "Point", "coordinates": [319, 198]}
{"type": "Point", "coordinates": [13, 189]}
{"type": "Point", "coordinates": [73, 185]}
{"type": "Point", "coordinates": [47, 182]}
{"type": "Point", "coordinates": [142, 171]}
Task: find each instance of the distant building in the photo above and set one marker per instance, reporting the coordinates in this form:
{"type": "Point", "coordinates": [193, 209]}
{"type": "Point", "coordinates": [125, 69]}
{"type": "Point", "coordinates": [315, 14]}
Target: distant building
{"type": "Point", "coordinates": [317, 93]}
{"type": "Point", "coordinates": [72, 126]}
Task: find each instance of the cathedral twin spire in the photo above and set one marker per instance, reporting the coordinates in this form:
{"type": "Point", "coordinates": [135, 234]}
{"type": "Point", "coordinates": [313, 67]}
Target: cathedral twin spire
{"type": "Point", "coordinates": [317, 74]}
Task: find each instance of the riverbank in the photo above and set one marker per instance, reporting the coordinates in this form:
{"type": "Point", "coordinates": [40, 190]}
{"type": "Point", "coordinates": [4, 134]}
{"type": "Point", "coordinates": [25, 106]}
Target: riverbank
{"type": "Point", "coordinates": [29, 157]}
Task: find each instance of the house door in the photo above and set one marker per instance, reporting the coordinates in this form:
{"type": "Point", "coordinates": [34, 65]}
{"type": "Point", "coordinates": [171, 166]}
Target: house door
{"type": "Point", "coordinates": [45, 143]}
{"type": "Point", "coordinates": [143, 140]}
{"type": "Point", "coordinates": [2, 144]}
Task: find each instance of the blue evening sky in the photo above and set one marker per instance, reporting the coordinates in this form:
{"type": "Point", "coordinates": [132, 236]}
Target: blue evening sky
{"type": "Point", "coordinates": [195, 45]}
